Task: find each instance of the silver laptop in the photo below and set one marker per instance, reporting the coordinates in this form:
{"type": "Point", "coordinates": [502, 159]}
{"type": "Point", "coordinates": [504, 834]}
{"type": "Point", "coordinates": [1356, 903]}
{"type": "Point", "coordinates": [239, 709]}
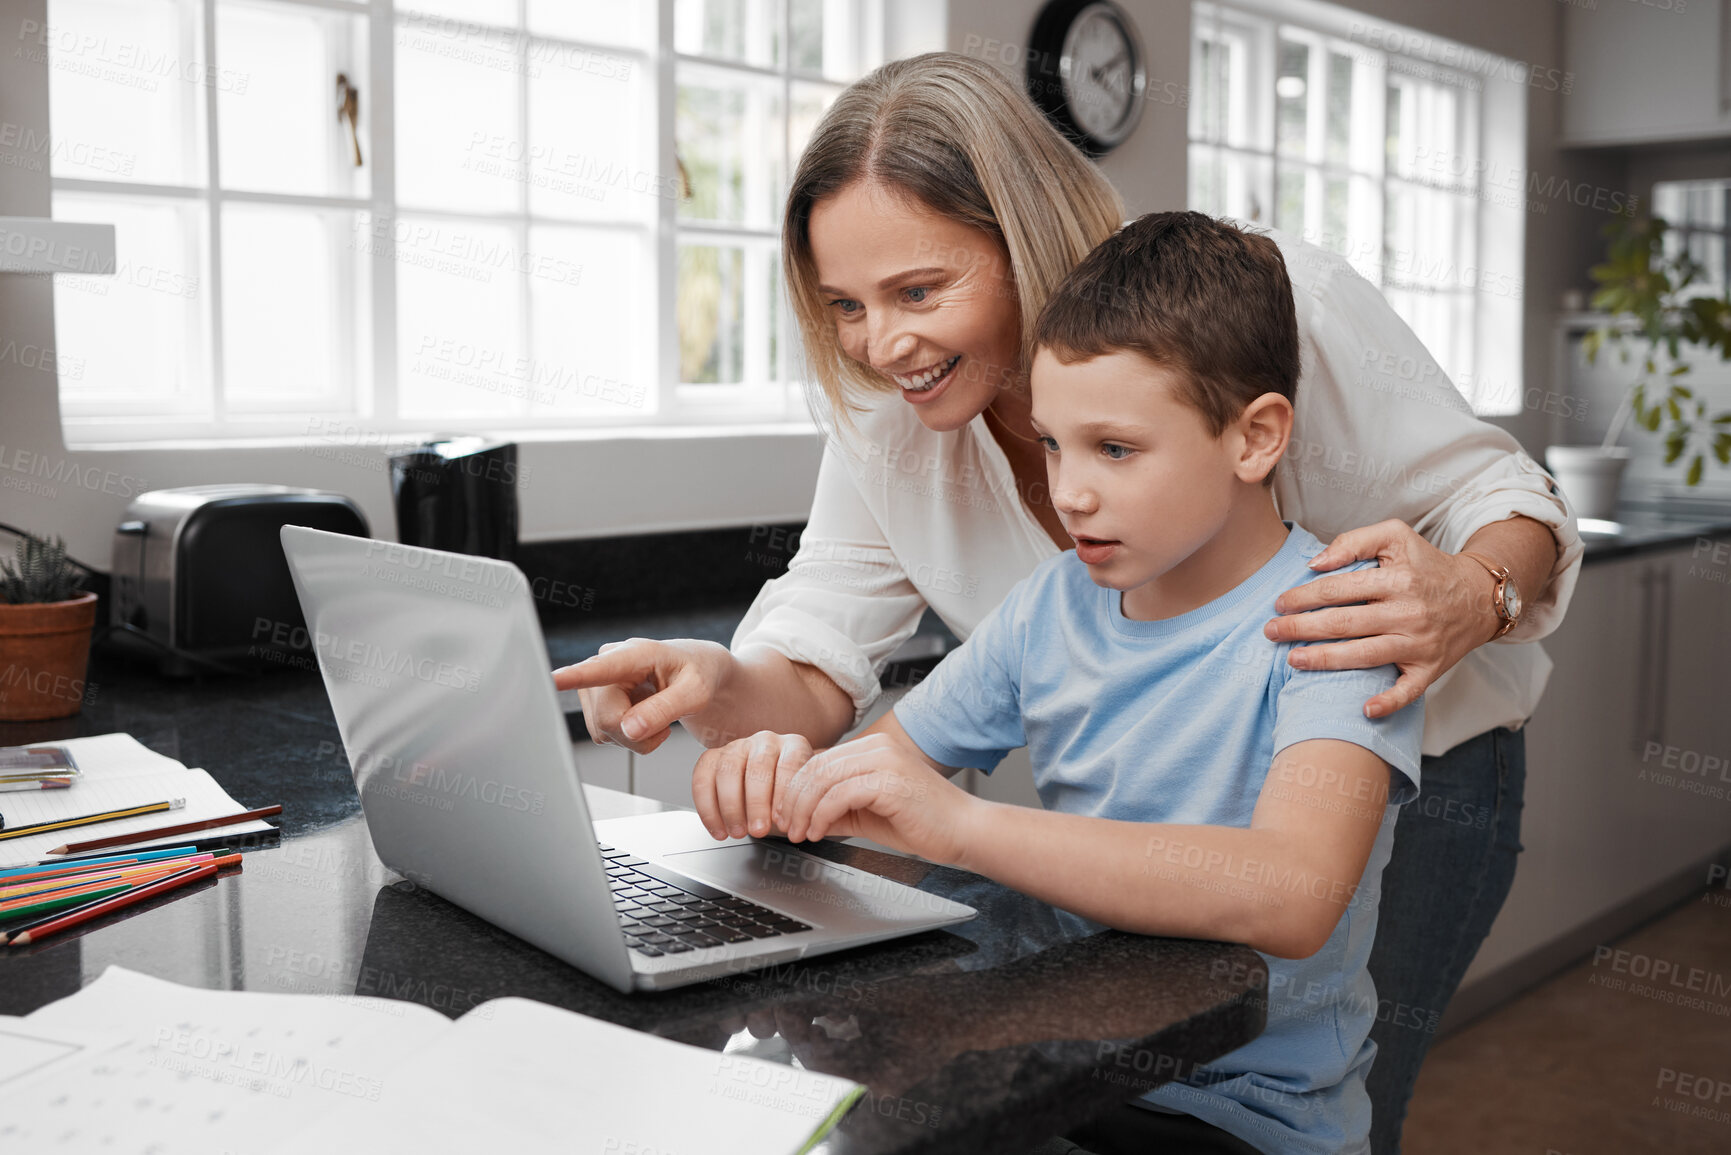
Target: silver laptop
{"type": "Point", "coordinates": [443, 693]}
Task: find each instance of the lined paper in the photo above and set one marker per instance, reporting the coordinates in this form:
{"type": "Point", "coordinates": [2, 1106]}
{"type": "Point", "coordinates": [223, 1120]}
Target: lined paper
{"type": "Point", "coordinates": [118, 771]}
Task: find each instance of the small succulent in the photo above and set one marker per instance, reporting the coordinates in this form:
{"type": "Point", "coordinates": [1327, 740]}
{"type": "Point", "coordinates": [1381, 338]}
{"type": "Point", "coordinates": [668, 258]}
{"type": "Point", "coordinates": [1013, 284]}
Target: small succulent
{"type": "Point", "coordinates": [41, 573]}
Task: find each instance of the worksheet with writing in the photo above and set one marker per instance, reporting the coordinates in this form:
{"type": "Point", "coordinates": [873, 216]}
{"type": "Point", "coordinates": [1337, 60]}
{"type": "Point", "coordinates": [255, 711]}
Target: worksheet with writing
{"type": "Point", "coordinates": [202, 1072]}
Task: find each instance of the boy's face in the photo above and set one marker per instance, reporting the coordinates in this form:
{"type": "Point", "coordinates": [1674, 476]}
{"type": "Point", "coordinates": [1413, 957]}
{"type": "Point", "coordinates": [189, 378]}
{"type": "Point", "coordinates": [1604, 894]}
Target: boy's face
{"type": "Point", "coordinates": [1135, 474]}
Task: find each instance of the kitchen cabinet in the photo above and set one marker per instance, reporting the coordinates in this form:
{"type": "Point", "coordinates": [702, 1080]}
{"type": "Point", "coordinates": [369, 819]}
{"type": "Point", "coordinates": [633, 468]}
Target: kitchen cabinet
{"type": "Point", "coordinates": [1644, 70]}
{"type": "Point", "coordinates": [1624, 806]}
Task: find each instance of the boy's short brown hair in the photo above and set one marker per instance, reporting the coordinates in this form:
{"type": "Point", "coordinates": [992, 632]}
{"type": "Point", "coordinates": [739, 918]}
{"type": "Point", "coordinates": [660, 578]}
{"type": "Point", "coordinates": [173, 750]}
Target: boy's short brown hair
{"type": "Point", "coordinates": [1189, 293]}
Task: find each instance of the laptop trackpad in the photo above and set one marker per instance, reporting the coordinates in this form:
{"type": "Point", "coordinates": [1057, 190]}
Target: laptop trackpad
{"type": "Point", "coordinates": [802, 884]}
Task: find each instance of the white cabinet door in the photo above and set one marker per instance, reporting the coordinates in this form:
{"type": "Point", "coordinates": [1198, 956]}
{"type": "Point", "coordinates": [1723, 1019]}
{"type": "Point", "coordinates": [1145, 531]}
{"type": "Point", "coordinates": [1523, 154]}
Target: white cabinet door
{"type": "Point", "coordinates": [608, 766]}
{"type": "Point", "coordinates": [1578, 857]}
{"type": "Point", "coordinates": [665, 775]}
{"type": "Point", "coordinates": [1642, 71]}
{"type": "Point", "coordinates": [1686, 750]}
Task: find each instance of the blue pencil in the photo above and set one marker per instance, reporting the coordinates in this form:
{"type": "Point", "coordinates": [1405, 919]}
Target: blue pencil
{"type": "Point", "coordinates": [60, 863]}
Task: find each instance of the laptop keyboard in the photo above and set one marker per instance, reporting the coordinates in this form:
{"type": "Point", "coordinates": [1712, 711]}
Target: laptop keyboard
{"type": "Point", "coordinates": [663, 913]}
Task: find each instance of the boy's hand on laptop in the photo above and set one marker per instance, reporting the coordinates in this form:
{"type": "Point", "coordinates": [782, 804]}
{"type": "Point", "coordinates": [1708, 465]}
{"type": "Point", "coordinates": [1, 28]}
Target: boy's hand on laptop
{"type": "Point", "coordinates": [877, 787]}
{"type": "Point", "coordinates": [734, 785]}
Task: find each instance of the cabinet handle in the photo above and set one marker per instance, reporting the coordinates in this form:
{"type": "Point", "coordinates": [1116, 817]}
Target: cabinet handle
{"type": "Point", "coordinates": [1644, 672]}
{"type": "Point", "coordinates": [1662, 643]}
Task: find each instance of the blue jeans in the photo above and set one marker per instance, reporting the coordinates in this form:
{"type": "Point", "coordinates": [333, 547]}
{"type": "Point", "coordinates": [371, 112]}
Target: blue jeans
{"type": "Point", "coordinates": [1451, 867]}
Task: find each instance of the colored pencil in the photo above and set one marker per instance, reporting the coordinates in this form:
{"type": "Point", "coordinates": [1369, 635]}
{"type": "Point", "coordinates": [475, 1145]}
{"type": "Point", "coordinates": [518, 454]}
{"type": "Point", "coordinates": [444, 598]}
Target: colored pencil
{"type": "Point", "coordinates": [79, 914]}
{"type": "Point", "coordinates": [53, 902]}
{"type": "Point", "coordinates": [245, 840]}
{"type": "Point", "coordinates": [167, 831]}
{"type": "Point", "coordinates": [132, 878]}
{"type": "Point", "coordinates": [87, 819]}
{"type": "Point", "coordinates": [86, 861]}
{"type": "Point", "coordinates": [99, 874]}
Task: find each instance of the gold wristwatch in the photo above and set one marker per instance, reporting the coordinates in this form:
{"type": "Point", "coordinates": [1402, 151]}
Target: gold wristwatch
{"type": "Point", "coordinates": [1506, 598]}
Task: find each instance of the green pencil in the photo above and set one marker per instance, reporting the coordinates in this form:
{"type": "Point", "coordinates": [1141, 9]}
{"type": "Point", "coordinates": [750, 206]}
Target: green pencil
{"type": "Point", "coordinates": [53, 904]}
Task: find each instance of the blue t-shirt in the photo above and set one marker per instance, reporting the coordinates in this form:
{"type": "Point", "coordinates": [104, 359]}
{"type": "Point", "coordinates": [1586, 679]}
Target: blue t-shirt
{"type": "Point", "coordinates": [1177, 721]}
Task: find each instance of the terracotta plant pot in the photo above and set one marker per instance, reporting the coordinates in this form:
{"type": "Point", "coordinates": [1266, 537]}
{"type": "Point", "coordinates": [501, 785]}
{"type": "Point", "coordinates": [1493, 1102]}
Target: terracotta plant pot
{"type": "Point", "coordinates": [44, 649]}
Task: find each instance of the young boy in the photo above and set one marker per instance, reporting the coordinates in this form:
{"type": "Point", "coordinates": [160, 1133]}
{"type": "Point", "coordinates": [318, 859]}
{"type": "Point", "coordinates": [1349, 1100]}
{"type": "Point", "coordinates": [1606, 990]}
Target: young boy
{"type": "Point", "coordinates": [1195, 784]}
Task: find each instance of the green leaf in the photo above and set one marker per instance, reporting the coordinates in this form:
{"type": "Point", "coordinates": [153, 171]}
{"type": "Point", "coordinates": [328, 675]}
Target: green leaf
{"type": "Point", "coordinates": [1722, 448]}
{"type": "Point", "coordinates": [1672, 409]}
{"type": "Point", "coordinates": [1696, 467]}
{"type": "Point", "coordinates": [1673, 447]}
{"type": "Point", "coordinates": [1652, 421]}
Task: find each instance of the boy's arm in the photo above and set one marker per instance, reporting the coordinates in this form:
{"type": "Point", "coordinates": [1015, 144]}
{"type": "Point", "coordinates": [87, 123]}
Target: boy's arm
{"type": "Point", "coordinates": [1279, 885]}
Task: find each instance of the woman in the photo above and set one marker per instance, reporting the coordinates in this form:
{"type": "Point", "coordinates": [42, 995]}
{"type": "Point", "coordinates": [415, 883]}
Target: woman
{"type": "Point", "coordinates": [930, 216]}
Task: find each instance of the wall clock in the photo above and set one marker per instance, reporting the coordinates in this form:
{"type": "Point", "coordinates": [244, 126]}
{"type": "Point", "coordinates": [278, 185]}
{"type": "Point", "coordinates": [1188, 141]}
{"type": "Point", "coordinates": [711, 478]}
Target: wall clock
{"type": "Point", "coordinates": [1085, 72]}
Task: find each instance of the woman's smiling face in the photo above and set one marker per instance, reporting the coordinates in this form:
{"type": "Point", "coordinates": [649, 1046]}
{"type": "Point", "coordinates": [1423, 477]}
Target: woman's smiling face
{"type": "Point", "coordinates": [926, 301]}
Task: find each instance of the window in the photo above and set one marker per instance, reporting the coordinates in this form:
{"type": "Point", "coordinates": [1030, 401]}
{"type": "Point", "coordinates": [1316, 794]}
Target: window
{"type": "Point", "coordinates": [1377, 156]}
{"type": "Point", "coordinates": [1696, 212]}
{"type": "Point", "coordinates": [552, 222]}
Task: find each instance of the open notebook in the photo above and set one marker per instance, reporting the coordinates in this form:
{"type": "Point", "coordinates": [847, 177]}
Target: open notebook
{"type": "Point", "coordinates": [117, 771]}
{"type": "Point", "coordinates": [133, 1064]}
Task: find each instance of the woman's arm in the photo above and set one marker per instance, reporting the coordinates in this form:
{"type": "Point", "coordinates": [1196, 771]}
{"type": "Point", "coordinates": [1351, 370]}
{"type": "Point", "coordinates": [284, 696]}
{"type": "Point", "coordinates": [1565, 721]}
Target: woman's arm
{"type": "Point", "coordinates": [1388, 459]}
{"type": "Point", "coordinates": [804, 660]}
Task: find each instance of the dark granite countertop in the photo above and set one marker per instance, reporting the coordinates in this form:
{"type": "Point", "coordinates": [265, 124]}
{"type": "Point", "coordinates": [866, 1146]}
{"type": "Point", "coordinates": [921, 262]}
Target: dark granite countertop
{"type": "Point", "coordinates": [1642, 527]}
{"type": "Point", "coordinates": [987, 1036]}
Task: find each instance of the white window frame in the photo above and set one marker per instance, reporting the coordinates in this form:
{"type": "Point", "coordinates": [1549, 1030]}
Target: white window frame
{"type": "Point", "coordinates": [1491, 380]}
{"type": "Point", "coordinates": [373, 399]}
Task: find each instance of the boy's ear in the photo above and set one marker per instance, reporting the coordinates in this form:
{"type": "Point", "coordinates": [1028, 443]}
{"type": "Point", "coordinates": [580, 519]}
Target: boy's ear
{"type": "Point", "coordinates": [1264, 428]}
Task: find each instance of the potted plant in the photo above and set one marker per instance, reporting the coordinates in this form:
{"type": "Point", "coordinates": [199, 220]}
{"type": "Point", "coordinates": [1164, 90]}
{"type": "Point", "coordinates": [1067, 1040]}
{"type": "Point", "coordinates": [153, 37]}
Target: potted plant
{"type": "Point", "coordinates": [45, 623]}
{"type": "Point", "coordinates": [1653, 312]}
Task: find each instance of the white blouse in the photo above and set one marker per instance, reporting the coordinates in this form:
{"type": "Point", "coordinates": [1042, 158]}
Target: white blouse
{"type": "Point", "coordinates": [905, 517]}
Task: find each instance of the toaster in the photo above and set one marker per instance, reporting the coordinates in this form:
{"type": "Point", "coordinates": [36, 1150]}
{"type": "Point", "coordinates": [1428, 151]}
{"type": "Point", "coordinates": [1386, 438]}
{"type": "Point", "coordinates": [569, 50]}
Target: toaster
{"type": "Point", "coordinates": [200, 571]}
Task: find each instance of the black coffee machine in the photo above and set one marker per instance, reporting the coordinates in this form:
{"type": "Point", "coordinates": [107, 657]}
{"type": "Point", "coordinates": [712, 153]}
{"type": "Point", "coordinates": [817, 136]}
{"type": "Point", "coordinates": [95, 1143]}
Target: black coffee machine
{"type": "Point", "coordinates": [458, 494]}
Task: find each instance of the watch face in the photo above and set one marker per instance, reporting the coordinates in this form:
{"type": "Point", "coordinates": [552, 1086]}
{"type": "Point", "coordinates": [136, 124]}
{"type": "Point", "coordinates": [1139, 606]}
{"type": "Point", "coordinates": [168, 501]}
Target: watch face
{"type": "Point", "coordinates": [1512, 599]}
{"type": "Point", "coordinates": [1102, 74]}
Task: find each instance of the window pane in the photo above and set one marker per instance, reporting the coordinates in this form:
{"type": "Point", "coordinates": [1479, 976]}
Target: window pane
{"type": "Point", "coordinates": [138, 336]}
{"type": "Point", "coordinates": [459, 322]}
{"type": "Point", "coordinates": [459, 140]}
{"type": "Point", "coordinates": [126, 83]}
{"type": "Point", "coordinates": [810, 102]}
{"type": "Point", "coordinates": [590, 151]}
{"type": "Point", "coordinates": [1337, 143]}
{"type": "Point", "coordinates": [292, 302]}
{"type": "Point", "coordinates": [728, 315]}
{"type": "Point", "coordinates": [579, 364]}
{"type": "Point", "coordinates": [1292, 207]}
{"type": "Point", "coordinates": [1230, 184]}
{"type": "Point", "coordinates": [278, 133]}
{"type": "Point", "coordinates": [825, 38]}
{"type": "Point", "coordinates": [630, 23]}
{"type": "Point", "coordinates": [747, 31]}
{"type": "Point", "coordinates": [1428, 237]}
{"type": "Point", "coordinates": [731, 135]}
{"type": "Point", "coordinates": [1430, 137]}
{"type": "Point", "coordinates": [501, 12]}
{"type": "Point", "coordinates": [1292, 98]}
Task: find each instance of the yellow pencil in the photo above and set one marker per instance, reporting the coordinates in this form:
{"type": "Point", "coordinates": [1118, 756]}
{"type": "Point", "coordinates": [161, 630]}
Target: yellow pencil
{"type": "Point", "coordinates": [86, 820]}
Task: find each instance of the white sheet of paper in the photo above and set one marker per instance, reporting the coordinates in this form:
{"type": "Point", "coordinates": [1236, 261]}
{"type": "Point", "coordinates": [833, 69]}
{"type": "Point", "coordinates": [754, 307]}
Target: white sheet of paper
{"type": "Point", "coordinates": [29, 1051]}
{"type": "Point", "coordinates": [95, 794]}
{"type": "Point", "coordinates": [205, 1072]}
{"type": "Point", "coordinates": [517, 1075]}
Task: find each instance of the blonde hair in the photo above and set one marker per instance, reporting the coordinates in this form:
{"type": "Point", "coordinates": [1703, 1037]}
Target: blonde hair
{"type": "Point", "coordinates": [953, 134]}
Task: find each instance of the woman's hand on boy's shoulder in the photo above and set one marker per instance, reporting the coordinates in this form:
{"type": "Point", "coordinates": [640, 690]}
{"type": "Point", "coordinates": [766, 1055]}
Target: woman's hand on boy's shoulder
{"type": "Point", "coordinates": [880, 787]}
{"type": "Point", "coordinates": [1419, 609]}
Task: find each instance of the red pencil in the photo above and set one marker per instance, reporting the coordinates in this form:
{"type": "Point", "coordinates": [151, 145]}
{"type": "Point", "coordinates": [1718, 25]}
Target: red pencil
{"type": "Point", "coordinates": [96, 909]}
{"type": "Point", "coordinates": [166, 831]}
